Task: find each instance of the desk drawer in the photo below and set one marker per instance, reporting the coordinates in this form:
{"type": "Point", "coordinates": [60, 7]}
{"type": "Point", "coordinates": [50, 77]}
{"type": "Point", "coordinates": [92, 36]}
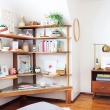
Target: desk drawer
{"type": "Point", "coordinates": [100, 86]}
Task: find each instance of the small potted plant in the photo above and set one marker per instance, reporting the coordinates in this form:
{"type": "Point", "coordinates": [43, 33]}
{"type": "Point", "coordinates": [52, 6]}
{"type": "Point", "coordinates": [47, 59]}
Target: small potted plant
{"type": "Point", "coordinates": [56, 18]}
{"type": "Point", "coordinates": [5, 47]}
{"type": "Point", "coordinates": [4, 29]}
{"type": "Point", "coordinates": [37, 69]}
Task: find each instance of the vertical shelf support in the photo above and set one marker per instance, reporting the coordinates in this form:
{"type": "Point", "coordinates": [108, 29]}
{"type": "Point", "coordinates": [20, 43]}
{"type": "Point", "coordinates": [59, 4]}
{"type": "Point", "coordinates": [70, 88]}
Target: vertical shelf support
{"type": "Point", "coordinates": [34, 57]}
{"type": "Point", "coordinates": [67, 55]}
{"type": "Point", "coordinates": [15, 81]}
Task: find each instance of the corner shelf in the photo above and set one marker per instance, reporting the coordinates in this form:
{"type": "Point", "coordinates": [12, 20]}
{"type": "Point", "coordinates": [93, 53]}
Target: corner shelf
{"type": "Point", "coordinates": [13, 91]}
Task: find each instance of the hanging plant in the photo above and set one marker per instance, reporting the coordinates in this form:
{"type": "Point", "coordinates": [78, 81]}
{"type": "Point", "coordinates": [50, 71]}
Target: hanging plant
{"type": "Point", "coordinates": [56, 18]}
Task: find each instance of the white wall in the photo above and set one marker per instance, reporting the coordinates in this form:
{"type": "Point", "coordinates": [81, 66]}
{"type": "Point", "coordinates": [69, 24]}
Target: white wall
{"type": "Point", "coordinates": [73, 7]}
{"type": "Point", "coordinates": [95, 28]}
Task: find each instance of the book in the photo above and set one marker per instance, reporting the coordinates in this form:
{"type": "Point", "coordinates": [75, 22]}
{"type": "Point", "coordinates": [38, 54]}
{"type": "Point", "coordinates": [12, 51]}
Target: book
{"type": "Point", "coordinates": [27, 86]}
{"type": "Point", "coordinates": [102, 79]}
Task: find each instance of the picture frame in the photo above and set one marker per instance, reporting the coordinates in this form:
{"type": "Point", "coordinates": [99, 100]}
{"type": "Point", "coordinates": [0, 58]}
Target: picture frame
{"type": "Point", "coordinates": [50, 66]}
{"type": "Point", "coordinates": [105, 62]}
{"type": "Point", "coordinates": [4, 70]}
{"type": "Point", "coordinates": [23, 63]}
{"type": "Point", "coordinates": [8, 20]}
{"type": "Point", "coordinates": [39, 32]}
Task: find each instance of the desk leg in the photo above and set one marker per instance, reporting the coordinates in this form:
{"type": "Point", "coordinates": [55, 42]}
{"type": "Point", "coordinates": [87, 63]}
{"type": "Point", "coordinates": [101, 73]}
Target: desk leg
{"type": "Point", "coordinates": [93, 95]}
{"type": "Point", "coordinates": [68, 96]}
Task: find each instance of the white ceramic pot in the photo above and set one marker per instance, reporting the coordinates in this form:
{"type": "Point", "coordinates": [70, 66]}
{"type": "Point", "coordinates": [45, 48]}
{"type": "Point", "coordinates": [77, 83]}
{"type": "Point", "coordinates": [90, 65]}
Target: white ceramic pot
{"type": "Point", "coordinates": [37, 70]}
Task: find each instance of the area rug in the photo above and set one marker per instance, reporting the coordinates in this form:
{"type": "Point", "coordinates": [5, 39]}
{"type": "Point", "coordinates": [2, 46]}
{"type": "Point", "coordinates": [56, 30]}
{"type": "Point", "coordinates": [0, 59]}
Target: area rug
{"type": "Point", "coordinates": [66, 108]}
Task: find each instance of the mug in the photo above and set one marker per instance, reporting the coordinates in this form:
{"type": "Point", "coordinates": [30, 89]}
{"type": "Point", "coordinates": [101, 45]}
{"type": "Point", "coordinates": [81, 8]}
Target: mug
{"type": "Point", "coordinates": [12, 71]}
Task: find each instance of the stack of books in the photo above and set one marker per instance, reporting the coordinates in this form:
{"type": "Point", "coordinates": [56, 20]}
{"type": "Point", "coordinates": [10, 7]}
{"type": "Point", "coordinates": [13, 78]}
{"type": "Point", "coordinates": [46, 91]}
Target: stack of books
{"type": "Point", "coordinates": [103, 77]}
{"type": "Point", "coordinates": [48, 46]}
{"type": "Point", "coordinates": [27, 86]}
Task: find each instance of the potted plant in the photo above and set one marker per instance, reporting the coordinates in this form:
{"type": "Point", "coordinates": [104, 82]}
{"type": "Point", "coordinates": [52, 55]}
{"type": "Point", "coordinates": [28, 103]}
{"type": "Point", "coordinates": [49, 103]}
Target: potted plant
{"type": "Point", "coordinates": [4, 29]}
{"type": "Point", "coordinates": [37, 69]}
{"type": "Point", "coordinates": [5, 47]}
{"type": "Point", "coordinates": [56, 18]}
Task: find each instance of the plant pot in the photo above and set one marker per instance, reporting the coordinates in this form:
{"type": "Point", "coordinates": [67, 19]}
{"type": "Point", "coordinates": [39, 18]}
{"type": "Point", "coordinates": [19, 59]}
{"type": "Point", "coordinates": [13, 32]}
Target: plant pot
{"type": "Point", "coordinates": [53, 21]}
{"type": "Point", "coordinates": [37, 70]}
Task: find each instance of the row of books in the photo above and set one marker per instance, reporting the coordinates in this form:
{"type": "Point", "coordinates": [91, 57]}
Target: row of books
{"type": "Point", "coordinates": [49, 46]}
{"type": "Point", "coordinates": [103, 77]}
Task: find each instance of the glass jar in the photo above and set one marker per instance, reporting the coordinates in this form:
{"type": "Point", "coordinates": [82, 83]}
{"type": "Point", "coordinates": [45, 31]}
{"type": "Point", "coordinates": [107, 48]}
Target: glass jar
{"type": "Point", "coordinates": [25, 47]}
{"type": "Point", "coordinates": [34, 48]}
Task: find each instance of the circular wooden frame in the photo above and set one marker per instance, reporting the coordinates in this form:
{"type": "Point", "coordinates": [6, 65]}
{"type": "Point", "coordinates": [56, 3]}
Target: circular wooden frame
{"type": "Point", "coordinates": [74, 31]}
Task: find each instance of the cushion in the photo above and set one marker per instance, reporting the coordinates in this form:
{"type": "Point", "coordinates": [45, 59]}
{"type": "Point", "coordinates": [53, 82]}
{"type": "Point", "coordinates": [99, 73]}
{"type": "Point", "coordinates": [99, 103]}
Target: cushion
{"type": "Point", "coordinates": [41, 106]}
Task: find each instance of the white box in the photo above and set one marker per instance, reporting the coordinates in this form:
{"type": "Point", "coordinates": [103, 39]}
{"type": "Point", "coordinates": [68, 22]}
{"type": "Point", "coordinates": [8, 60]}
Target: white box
{"type": "Point", "coordinates": [15, 45]}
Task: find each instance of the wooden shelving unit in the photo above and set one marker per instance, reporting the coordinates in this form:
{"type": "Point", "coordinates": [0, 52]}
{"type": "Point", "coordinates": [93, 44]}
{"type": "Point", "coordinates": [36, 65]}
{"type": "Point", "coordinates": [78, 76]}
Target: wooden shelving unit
{"type": "Point", "coordinates": [12, 90]}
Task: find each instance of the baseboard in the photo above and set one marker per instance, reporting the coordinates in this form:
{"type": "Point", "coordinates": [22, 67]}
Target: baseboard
{"type": "Point", "coordinates": [8, 103]}
{"type": "Point", "coordinates": [88, 93]}
{"type": "Point", "coordinates": [76, 97]}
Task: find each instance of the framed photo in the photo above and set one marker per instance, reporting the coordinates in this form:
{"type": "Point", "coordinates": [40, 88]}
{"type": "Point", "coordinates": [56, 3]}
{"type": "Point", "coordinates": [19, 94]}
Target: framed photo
{"type": "Point", "coordinates": [105, 61]}
{"type": "Point", "coordinates": [50, 66]}
{"type": "Point", "coordinates": [4, 70]}
{"type": "Point", "coordinates": [40, 32]}
{"type": "Point", "coordinates": [8, 20]}
{"type": "Point", "coordinates": [23, 63]}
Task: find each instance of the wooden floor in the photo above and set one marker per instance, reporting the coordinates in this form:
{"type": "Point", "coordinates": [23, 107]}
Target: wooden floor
{"type": "Point", "coordinates": [83, 102]}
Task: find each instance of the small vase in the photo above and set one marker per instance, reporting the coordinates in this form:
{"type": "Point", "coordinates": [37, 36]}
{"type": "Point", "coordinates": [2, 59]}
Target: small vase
{"type": "Point", "coordinates": [97, 66]}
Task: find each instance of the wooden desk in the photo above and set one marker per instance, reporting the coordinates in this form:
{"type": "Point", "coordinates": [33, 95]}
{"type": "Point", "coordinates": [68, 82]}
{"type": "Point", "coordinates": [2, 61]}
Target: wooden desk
{"type": "Point", "coordinates": [100, 87]}
{"type": "Point", "coordinates": [13, 91]}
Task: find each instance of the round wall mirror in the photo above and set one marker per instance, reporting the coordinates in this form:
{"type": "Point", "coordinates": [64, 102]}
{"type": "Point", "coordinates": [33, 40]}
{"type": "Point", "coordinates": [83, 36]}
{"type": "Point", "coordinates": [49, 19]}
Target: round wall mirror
{"type": "Point", "coordinates": [76, 30]}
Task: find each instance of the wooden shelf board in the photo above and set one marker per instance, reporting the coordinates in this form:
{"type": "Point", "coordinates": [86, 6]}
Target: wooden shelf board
{"type": "Point", "coordinates": [51, 38]}
{"type": "Point", "coordinates": [39, 26]}
{"type": "Point", "coordinates": [49, 52]}
{"type": "Point", "coordinates": [13, 91]}
{"type": "Point", "coordinates": [13, 52]}
{"type": "Point", "coordinates": [54, 75]}
{"type": "Point", "coordinates": [26, 74]}
{"type": "Point", "coordinates": [9, 77]}
{"type": "Point", "coordinates": [13, 36]}
{"type": "Point", "coordinates": [100, 70]}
